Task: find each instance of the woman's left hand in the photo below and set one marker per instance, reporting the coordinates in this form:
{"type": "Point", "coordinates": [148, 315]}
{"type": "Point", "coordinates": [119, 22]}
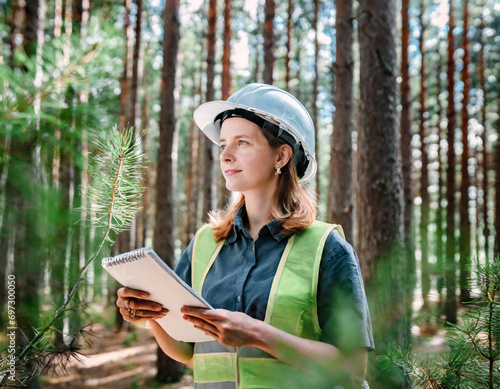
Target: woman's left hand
{"type": "Point", "coordinates": [233, 329]}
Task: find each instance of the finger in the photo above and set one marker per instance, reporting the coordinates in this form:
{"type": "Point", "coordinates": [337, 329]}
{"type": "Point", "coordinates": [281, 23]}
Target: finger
{"type": "Point", "coordinates": [209, 315]}
{"type": "Point", "coordinates": [145, 305]}
{"type": "Point", "coordinates": [208, 332]}
{"type": "Point", "coordinates": [141, 315]}
{"type": "Point", "coordinates": [134, 293]}
{"type": "Point", "coordinates": [200, 323]}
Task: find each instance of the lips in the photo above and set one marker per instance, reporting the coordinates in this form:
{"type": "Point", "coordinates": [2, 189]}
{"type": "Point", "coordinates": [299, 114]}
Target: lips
{"type": "Point", "coordinates": [231, 172]}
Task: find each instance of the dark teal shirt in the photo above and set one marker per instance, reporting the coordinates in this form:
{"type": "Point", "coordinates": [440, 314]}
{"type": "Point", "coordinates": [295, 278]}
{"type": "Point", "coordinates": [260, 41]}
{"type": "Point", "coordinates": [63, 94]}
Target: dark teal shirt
{"type": "Point", "coordinates": [241, 278]}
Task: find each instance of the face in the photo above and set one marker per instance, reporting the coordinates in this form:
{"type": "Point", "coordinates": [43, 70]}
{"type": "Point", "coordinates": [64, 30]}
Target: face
{"type": "Point", "coordinates": [246, 159]}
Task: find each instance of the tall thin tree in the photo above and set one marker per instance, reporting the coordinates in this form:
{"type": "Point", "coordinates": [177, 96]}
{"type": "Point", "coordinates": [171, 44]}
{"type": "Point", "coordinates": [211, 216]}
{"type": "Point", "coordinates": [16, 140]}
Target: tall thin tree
{"type": "Point", "coordinates": [288, 55]}
{"type": "Point", "coordinates": [269, 45]}
{"type": "Point", "coordinates": [340, 192]}
{"type": "Point", "coordinates": [379, 195]}
{"type": "Point", "coordinates": [450, 305]}
{"type": "Point", "coordinates": [484, 136]}
{"type": "Point", "coordinates": [164, 232]}
{"type": "Point", "coordinates": [464, 249]}
{"type": "Point", "coordinates": [208, 167]}
{"type": "Point", "coordinates": [439, 210]}
{"type": "Point", "coordinates": [406, 132]}
{"type": "Point", "coordinates": [226, 84]}
{"type": "Point", "coordinates": [424, 176]}
{"type": "Point", "coordinates": [315, 94]}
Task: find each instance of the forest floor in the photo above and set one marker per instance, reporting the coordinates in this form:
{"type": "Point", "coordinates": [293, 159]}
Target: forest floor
{"type": "Point", "coordinates": [115, 360]}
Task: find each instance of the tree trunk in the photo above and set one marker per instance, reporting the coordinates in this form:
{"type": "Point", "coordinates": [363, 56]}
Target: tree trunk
{"type": "Point", "coordinates": [484, 138]}
{"type": "Point", "coordinates": [135, 105]}
{"type": "Point", "coordinates": [497, 192]}
{"type": "Point", "coordinates": [406, 136]}
{"type": "Point", "coordinates": [164, 233]}
{"type": "Point", "coordinates": [315, 96]}
{"type": "Point", "coordinates": [226, 86]}
{"type": "Point", "coordinates": [17, 19]}
{"type": "Point", "coordinates": [127, 68]}
{"type": "Point", "coordinates": [269, 42]}
{"type": "Point", "coordinates": [439, 210]}
{"type": "Point", "coordinates": [136, 71]}
{"type": "Point", "coordinates": [208, 167]}
{"type": "Point", "coordinates": [143, 215]}
{"type": "Point", "coordinates": [122, 243]}
{"type": "Point", "coordinates": [464, 187]}
{"type": "Point", "coordinates": [379, 175]}
{"type": "Point", "coordinates": [288, 55]}
{"type": "Point", "coordinates": [379, 195]}
{"type": "Point", "coordinates": [31, 23]}
{"type": "Point", "coordinates": [340, 196]}
{"type": "Point", "coordinates": [424, 178]}
{"type": "Point", "coordinates": [450, 277]}
{"type": "Point", "coordinates": [256, 48]}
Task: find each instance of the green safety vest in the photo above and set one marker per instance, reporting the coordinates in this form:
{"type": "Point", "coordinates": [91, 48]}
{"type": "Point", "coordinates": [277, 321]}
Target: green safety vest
{"type": "Point", "coordinates": [292, 307]}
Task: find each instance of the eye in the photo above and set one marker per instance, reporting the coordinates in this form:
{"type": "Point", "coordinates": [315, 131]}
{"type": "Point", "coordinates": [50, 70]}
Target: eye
{"type": "Point", "coordinates": [242, 142]}
{"type": "Point", "coordinates": [222, 147]}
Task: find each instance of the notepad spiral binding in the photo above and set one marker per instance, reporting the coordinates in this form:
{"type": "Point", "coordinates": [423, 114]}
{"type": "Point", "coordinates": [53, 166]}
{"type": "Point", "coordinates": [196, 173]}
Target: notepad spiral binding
{"type": "Point", "coordinates": [126, 257]}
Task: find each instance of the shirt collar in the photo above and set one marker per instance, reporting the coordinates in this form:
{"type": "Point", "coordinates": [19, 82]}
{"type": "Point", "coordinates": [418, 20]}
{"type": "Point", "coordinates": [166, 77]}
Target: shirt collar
{"type": "Point", "coordinates": [274, 227]}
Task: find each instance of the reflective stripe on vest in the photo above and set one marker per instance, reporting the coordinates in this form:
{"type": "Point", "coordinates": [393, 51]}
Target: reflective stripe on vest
{"type": "Point", "coordinates": [291, 307]}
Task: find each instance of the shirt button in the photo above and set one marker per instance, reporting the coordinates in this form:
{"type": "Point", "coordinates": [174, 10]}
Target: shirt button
{"type": "Point", "coordinates": [253, 248]}
{"type": "Point", "coordinates": [238, 298]}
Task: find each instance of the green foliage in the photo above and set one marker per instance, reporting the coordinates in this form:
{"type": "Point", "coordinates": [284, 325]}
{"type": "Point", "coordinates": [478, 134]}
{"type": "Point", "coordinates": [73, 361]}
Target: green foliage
{"type": "Point", "coordinates": [472, 361]}
{"type": "Point", "coordinates": [116, 173]}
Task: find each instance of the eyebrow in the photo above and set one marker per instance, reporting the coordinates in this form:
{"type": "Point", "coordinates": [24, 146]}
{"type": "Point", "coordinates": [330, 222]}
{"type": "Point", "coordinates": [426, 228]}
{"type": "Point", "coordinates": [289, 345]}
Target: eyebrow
{"type": "Point", "coordinates": [236, 137]}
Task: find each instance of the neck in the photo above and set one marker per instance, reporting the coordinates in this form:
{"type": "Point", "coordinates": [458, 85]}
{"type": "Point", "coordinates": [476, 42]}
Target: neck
{"type": "Point", "coordinates": [258, 207]}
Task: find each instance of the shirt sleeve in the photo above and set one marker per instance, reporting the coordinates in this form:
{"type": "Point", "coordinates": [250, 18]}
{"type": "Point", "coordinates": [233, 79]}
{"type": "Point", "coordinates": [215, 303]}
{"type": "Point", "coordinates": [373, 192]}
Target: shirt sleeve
{"type": "Point", "coordinates": [183, 268]}
{"type": "Point", "coordinates": [343, 311]}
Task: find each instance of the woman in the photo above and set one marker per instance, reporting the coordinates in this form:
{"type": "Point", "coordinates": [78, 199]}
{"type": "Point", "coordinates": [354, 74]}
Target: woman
{"type": "Point", "coordinates": [290, 304]}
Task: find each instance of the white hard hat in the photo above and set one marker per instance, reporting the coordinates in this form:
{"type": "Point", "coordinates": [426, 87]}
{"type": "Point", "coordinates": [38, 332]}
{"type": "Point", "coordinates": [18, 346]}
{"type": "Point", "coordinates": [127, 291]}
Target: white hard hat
{"type": "Point", "coordinates": [283, 115]}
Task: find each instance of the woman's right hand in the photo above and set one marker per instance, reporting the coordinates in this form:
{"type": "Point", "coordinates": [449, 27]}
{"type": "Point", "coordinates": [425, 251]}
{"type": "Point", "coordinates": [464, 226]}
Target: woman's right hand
{"type": "Point", "coordinates": [134, 306]}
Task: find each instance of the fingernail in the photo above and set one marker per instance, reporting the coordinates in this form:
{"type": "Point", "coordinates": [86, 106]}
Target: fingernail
{"type": "Point", "coordinates": [144, 294]}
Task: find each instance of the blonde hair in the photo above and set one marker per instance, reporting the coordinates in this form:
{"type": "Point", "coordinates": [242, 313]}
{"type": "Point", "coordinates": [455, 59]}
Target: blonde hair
{"type": "Point", "coordinates": [294, 205]}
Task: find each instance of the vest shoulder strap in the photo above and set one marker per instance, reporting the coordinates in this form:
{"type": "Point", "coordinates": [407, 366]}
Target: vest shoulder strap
{"type": "Point", "coordinates": [205, 250]}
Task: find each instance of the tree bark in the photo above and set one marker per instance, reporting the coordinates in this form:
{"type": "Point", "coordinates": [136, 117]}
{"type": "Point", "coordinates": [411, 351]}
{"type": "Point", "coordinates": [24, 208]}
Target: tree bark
{"type": "Point", "coordinates": [288, 55]}
{"type": "Point", "coordinates": [164, 232]}
{"type": "Point", "coordinates": [424, 178]}
{"type": "Point", "coordinates": [406, 136]}
{"type": "Point", "coordinates": [208, 190]}
{"type": "Point", "coordinates": [269, 42]}
{"type": "Point", "coordinates": [31, 24]}
{"type": "Point", "coordinates": [226, 85]}
{"type": "Point", "coordinates": [127, 68]}
{"type": "Point", "coordinates": [450, 306]}
{"type": "Point", "coordinates": [464, 187]}
{"type": "Point", "coordinates": [315, 97]}
{"type": "Point", "coordinates": [497, 193]}
{"type": "Point", "coordinates": [340, 192]}
{"type": "Point", "coordinates": [16, 24]}
{"type": "Point", "coordinates": [439, 210]}
{"type": "Point", "coordinates": [379, 195]}
{"type": "Point", "coordinates": [379, 199]}
{"type": "Point", "coordinates": [136, 71]}
{"type": "Point", "coordinates": [484, 138]}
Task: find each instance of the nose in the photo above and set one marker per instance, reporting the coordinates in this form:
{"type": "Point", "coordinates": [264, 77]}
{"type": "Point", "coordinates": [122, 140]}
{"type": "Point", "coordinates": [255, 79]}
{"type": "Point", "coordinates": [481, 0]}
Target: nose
{"type": "Point", "coordinates": [226, 155]}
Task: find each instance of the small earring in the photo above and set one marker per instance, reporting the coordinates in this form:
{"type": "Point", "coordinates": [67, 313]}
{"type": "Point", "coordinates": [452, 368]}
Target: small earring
{"type": "Point", "coordinates": [278, 170]}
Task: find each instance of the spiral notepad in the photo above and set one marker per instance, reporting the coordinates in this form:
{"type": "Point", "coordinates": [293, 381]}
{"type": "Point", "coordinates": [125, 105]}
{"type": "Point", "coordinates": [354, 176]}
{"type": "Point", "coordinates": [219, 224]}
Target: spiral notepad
{"type": "Point", "coordinates": [144, 270]}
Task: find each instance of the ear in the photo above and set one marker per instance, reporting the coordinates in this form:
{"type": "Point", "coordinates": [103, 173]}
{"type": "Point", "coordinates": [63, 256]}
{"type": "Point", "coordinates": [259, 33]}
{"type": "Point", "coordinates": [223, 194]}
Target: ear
{"type": "Point", "coordinates": [284, 155]}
